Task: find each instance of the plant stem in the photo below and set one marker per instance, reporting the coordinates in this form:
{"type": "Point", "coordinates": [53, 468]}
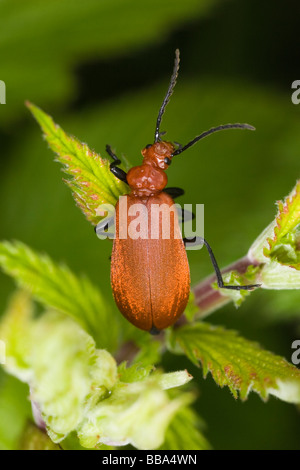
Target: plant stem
{"type": "Point", "coordinates": [209, 299]}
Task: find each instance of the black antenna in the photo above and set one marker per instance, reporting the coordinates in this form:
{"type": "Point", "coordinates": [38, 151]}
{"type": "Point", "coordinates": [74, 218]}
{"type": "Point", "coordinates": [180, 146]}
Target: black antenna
{"type": "Point", "coordinates": [211, 131]}
{"type": "Point", "coordinates": [168, 95]}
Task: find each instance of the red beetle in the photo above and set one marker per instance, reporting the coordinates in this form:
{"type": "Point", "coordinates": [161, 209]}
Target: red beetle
{"type": "Point", "coordinates": [150, 277]}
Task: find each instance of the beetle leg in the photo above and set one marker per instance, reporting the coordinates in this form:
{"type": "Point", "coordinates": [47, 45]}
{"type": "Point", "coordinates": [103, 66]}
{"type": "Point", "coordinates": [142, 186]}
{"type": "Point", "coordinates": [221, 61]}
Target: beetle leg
{"type": "Point", "coordinates": [192, 241]}
{"type": "Point", "coordinates": [185, 216]}
{"type": "Point", "coordinates": [118, 172]}
{"type": "Point", "coordinates": [174, 192]}
{"type": "Point", "coordinates": [216, 267]}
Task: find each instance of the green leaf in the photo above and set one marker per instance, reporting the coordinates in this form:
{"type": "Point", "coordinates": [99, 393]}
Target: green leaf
{"type": "Point", "coordinates": [71, 442]}
{"type": "Point", "coordinates": [277, 247]}
{"type": "Point", "coordinates": [92, 182]}
{"type": "Point", "coordinates": [76, 387]}
{"type": "Point", "coordinates": [279, 242]}
{"type": "Point", "coordinates": [284, 244]}
{"type": "Point", "coordinates": [289, 214]}
{"type": "Point", "coordinates": [137, 413]}
{"type": "Point", "coordinates": [55, 285]}
{"type": "Point", "coordinates": [185, 432]}
{"type": "Point", "coordinates": [137, 372]}
{"type": "Point", "coordinates": [66, 373]}
{"type": "Point", "coordinates": [13, 328]}
{"type": "Point", "coordinates": [275, 275]}
{"type": "Point", "coordinates": [235, 278]}
{"type": "Point", "coordinates": [133, 373]}
{"type": "Point", "coordinates": [237, 363]}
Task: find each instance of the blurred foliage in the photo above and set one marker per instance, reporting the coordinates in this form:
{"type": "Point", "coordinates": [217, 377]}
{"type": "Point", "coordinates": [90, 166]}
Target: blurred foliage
{"type": "Point", "coordinates": [101, 68]}
{"type": "Point", "coordinates": [41, 42]}
{"type": "Point", "coordinates": [15, 410]}
{"type": "Point", "coordinates": [35, 439]}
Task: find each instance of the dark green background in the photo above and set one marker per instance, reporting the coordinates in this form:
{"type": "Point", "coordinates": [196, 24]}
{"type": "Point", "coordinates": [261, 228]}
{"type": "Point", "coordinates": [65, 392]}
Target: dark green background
{"type": "Point", "coordinates": [101, 68]}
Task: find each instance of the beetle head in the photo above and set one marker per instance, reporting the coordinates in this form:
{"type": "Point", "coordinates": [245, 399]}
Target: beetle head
{"type": "Point", "coordinates": [158, 154]}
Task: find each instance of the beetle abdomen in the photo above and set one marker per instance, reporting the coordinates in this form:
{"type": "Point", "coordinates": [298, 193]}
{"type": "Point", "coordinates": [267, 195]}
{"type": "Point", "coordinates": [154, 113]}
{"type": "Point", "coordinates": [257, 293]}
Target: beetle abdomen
{"type": "Point", "coordinates": [150, 276]}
